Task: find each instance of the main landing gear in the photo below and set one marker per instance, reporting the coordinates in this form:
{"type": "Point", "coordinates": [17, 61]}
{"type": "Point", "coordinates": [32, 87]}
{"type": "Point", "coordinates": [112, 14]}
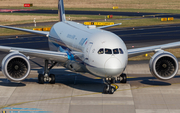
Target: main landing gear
{"type": "Point", "coordinates": [109, 88]}
{"type": "Point", "coordinates": [122, 78]}
{"type": "Point", "coordinates": [46, 76]}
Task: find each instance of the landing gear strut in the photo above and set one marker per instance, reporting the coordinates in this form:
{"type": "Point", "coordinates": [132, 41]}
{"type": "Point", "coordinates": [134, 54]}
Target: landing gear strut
{"type": "Point", "coordinates": [108, 88]}
{"type": "Point", "coordinates": [46, 76]}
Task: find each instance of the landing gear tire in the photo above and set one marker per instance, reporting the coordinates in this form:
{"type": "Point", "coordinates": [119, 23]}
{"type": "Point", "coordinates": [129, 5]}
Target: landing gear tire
{"type": "Point", "coordinates": [41, 79]}
{"type": "Point", "coordinates": [105, 90]}
{"type": "Point", "coordinates": [123, 78]}
{"type": "Point", "coordinates": [44, 77]}
{"type": "Point", "coordinates": [111, 90]}
{"type": "Point", "coordinates": [112, 81]}
{"type": "Point", "coordinates": [108, 89]}
{"type": "Point", "coordinates": [52, 81]}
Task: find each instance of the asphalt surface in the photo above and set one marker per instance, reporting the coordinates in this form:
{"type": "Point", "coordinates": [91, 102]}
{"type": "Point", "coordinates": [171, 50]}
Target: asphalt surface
{"type": "Point", "coordinates": [140, 14]}
{"type": "Point", "coordinates": [88, 12]}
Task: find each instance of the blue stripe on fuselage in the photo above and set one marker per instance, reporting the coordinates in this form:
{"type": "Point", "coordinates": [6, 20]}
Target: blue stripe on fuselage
{"type": "Point", "coordinates": [58, 43]}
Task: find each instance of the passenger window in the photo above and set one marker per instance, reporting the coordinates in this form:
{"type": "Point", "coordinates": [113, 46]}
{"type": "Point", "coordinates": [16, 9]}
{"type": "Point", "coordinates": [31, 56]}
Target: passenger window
{"type": "Point", "coordinates": [115, 51]}
{"type": "Point", "coordinates": [121, 51]}
{"type": "Point", "coordinates": [108, 51]}
{"type": "Point", "coordinates": [101, 51]}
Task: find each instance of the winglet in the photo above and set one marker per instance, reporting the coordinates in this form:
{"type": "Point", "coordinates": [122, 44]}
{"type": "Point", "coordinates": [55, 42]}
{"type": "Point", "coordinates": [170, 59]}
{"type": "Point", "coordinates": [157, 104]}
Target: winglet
{"type": "Point", "coordinates": [61, 11]}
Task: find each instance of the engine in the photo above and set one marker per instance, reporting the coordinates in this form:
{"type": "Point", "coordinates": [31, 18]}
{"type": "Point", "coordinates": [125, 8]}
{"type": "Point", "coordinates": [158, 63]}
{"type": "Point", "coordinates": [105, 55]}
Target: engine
{"type": "Point", "coordinates": [163, 65]}
{"type": "Point", "coordinates": [15, 66]}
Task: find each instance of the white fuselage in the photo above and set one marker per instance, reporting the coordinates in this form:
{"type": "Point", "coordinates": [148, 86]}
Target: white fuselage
{"type": "Point", "coordinates": [104, 53]}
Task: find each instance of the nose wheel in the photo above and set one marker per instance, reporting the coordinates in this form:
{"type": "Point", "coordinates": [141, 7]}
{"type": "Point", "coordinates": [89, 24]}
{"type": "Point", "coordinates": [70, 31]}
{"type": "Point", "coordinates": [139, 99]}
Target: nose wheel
{"type": "Point", "coordinates": [109, 88]}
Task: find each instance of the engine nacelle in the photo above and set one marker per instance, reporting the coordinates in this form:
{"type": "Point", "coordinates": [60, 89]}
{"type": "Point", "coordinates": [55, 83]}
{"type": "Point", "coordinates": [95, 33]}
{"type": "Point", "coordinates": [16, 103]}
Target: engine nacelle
{"type": "Point", "coordinates": [163, 65]}
{"type": "Point", "coordinates": [15, 66]}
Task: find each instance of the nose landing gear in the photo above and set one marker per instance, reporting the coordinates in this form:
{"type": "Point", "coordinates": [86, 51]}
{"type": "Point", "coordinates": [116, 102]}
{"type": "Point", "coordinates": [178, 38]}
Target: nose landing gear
{"type": "Point", "coordinates": [109, 88]}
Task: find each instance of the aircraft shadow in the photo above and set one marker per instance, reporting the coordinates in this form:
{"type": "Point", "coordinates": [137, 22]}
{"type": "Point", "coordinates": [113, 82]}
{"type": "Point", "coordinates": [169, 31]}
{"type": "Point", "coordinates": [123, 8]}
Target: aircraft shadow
{"type": "Point", "coordinates": [74, 80]}
{"type": "Point", "coordinates": [7, 83]}
{"type": "Point", "coordinates": [155, 83]}
{"type": "Point", "coordinates": [152, 81]}
{"type": "Point", "coordinates": [81, 82]}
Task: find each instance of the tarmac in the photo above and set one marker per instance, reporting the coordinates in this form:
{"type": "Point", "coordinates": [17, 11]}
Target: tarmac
{"type": "Point", "coordinates": [82, 92]}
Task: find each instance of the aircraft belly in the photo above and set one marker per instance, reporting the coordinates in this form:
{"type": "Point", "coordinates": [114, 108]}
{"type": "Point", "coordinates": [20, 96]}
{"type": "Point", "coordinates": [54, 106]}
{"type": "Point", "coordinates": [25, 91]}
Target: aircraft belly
{"type": "Point", "coordinates": [101, 72]}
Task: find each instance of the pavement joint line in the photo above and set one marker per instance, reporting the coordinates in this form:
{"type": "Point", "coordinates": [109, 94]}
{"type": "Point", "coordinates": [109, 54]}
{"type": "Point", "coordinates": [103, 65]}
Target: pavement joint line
{"type": "Point", "coordinates": [10, 105]}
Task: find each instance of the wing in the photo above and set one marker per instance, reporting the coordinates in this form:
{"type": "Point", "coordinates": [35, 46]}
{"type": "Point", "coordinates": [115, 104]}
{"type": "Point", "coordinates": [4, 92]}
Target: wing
{"type": "Point", "coordinates": [42, 33]}
{"type": "Point", "coordinates": [49, 55]}
{"type": "Point", "coordinates": [143, 50]}
{"type": "Point", "coordinates": [102, 27]}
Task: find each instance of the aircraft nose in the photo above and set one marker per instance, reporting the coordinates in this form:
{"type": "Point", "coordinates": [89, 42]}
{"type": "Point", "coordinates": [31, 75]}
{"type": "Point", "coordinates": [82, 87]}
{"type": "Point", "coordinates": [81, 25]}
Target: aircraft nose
{"type": "Point", "coordinates": [113, 67]}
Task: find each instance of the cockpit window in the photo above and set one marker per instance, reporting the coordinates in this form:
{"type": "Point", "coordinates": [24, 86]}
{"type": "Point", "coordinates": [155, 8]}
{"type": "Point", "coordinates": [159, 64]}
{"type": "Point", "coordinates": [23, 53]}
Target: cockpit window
{"type": "Point", "coordinates": [101, 51]}
{"type": "Point", "coordinates": [121, 51]}
{"type": "Point", "coordinates": [108, 51]}
{"type": "Point", "coordinates": [115, 51]}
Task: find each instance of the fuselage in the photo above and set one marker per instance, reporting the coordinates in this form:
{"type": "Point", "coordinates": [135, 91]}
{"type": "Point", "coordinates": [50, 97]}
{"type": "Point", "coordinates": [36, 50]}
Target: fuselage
{"type": "Point", "coordinates": [103, 53]}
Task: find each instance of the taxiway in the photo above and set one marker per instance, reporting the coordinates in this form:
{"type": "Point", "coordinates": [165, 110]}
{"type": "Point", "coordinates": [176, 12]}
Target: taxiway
{"type": "Point", "coordinates": [82, 92]}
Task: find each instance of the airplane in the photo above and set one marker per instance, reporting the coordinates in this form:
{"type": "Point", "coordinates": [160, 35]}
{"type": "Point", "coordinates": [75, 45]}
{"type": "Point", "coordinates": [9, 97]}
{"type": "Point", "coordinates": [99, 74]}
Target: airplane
{"type": "Point", "coordinates": [82, 48]}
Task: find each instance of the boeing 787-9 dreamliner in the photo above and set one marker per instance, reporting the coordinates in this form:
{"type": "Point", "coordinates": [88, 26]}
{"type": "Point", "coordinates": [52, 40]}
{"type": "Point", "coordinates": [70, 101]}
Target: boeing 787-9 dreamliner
{"type": "Point", "coordinates": [82, 48]}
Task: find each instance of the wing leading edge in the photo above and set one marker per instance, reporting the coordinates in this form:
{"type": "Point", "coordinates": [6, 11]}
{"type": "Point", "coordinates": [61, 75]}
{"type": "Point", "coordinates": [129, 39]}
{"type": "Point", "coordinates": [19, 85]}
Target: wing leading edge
{"type": "Point", "coordinates": [42, 33]}
{"type": "Point", "coordinates": [49, 55]}
{"type": "Point", "coordinates": [143, 50]}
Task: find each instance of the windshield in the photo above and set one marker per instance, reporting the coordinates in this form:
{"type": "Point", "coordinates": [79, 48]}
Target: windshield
{"type": "Point", "coordinates": [101, 51]}
{"type": "Point", "coordinates": [115, 51]}
{"type": "Point", "coordinates": [108, 51]}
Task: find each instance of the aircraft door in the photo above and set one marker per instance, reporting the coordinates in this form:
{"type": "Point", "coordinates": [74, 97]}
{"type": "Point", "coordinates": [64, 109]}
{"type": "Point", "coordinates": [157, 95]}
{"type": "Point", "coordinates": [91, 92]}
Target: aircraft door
{"type": "Point", "coordinates": [87, 51]}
